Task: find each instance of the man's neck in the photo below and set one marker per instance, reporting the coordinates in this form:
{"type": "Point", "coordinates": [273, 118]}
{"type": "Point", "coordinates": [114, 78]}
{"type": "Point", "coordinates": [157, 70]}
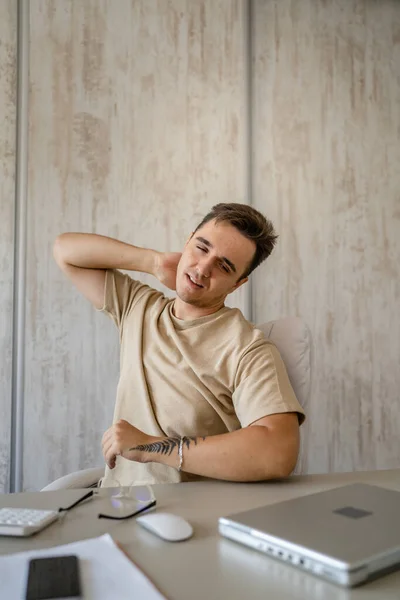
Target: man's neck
{"type": "Point", "coordinates": [188, 312]}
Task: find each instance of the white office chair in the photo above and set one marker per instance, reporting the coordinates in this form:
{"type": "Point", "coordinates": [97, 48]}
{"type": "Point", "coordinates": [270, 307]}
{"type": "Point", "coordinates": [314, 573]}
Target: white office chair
{"type": "Point", "coordinates": [293, 339]}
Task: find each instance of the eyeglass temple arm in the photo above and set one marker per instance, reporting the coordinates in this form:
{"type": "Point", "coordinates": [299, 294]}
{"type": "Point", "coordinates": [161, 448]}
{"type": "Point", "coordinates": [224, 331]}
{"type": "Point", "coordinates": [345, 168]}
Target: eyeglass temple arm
{"type": "Point", "coordinates": [137, 512]}
{"type": "Point", "coordinates": [88, 495]}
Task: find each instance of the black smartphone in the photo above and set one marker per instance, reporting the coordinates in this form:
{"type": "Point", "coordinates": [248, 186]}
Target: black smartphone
{"type": "Point", "coordinates": [53, 577]}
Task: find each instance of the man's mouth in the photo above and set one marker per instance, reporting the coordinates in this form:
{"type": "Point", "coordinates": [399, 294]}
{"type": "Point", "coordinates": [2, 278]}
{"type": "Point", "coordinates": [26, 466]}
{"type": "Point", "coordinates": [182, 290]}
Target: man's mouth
{"type": "Point", "coordinates": [194, 281]}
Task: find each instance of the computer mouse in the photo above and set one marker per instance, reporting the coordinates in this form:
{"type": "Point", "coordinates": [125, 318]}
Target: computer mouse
{"type": "Point", "coordinates": [167, 526]}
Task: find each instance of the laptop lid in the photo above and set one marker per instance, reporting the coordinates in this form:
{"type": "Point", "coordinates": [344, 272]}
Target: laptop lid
{"type": "Point", "coordinates": [350, 525]}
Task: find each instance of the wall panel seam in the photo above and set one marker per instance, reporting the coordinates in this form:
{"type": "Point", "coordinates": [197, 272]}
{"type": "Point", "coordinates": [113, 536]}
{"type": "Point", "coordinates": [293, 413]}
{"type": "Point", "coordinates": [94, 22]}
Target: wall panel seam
{"type": "Point", "coordinates": [248, 71]}
{"type": "Point", "coordinates": [20, 222]}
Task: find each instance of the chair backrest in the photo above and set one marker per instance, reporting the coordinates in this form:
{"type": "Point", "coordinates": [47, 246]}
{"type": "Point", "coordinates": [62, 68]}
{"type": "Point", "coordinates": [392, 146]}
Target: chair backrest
{"type": "Point", "coordinates": [293, 339]}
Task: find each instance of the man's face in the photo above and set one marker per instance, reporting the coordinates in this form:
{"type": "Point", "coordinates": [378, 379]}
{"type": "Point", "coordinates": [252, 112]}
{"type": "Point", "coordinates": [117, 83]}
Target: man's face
{"type": "Point", "coordinates": [212, 261]}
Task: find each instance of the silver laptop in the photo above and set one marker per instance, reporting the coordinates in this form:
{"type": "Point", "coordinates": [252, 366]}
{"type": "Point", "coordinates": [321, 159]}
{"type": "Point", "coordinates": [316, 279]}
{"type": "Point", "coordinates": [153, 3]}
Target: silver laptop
{"type": "Point", "coordinates": [346, 535]}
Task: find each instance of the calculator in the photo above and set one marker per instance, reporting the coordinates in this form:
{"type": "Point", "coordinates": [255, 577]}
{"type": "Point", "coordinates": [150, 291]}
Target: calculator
{"type": "Point", "coordinates": [25, 521]}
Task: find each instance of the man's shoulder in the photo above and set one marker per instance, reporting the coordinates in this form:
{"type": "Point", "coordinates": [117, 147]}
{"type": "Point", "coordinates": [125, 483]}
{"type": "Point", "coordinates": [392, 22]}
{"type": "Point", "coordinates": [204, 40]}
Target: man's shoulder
{"type": "Point", "coordinates": [140, 297]}
{"type": "Point", "coordinates": [242, 333]}
{"type": "Point", "coordinates": [139, 285]}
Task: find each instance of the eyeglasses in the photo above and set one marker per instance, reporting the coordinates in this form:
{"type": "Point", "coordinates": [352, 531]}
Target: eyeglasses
{"type": "Point", "coordinates": [141, 497]}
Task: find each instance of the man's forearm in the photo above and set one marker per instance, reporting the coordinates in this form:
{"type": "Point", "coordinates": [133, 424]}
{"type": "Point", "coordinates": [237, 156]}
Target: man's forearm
{"type": "Point", "coordinates": [92, 251]}
{"type": "Point", "coordinates": [254, 453]}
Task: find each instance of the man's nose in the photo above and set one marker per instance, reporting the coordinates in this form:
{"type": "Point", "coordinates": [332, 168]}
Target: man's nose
{"type": "Point", "coordinates": [204, 267]}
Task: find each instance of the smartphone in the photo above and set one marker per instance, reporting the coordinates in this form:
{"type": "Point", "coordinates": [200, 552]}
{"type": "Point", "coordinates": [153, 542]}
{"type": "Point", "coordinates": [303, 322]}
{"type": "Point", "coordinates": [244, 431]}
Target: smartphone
{"type": "Point", "coordinates": [53, 577]}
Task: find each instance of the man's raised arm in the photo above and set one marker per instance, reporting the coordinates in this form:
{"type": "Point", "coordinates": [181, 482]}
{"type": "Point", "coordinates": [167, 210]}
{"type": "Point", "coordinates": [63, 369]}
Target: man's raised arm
{"type": "Point", "coordinates": [85, 257]}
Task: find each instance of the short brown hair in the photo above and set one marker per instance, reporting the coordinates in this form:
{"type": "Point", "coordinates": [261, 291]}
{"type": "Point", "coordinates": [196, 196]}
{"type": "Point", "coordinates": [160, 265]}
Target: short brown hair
{"type": "Point", "coordinates": [251, 223]}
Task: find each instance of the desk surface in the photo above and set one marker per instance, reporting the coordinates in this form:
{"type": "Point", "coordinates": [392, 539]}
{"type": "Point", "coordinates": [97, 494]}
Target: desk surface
{"type": "Point", "coordinates": [206, 566]}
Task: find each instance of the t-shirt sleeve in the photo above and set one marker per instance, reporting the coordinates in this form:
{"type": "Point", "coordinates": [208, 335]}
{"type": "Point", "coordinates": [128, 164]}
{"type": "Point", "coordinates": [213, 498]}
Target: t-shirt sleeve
{"type": "Point", "coordinates": [121, 292]}
{"type": "Point", "coordinates": [262, 385]}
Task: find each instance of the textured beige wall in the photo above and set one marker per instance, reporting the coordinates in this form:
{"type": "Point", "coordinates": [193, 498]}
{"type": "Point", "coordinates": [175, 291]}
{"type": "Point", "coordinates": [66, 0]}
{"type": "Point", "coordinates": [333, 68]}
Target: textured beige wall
{"type": "Point", "coordinates": [327, 170]}
{"type": "Point", "coordinates": [8, 49]}
{"type": "Point", "coordinates": [137, 126]}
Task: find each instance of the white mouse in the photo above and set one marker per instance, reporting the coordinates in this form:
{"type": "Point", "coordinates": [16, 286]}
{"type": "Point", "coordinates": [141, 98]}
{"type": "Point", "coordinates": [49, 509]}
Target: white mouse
{"type": "Point", "coordinates": [167, 526]}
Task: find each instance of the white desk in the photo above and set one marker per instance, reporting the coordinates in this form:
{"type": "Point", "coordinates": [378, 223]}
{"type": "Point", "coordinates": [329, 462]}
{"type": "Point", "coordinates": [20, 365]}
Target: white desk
{"type": "Point", "coordinates": [207, 566]}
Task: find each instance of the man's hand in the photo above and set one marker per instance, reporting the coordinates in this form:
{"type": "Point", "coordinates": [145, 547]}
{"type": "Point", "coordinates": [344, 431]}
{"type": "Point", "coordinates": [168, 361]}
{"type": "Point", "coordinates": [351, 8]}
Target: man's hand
{"type": "Point", "coordinates": [166, 267]}
{"type": "Point", "coordinates": [120, 438]}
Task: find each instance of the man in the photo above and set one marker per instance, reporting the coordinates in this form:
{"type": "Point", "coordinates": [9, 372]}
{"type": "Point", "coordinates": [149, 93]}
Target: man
{"type": "Point", "coordinates": [201, 392]}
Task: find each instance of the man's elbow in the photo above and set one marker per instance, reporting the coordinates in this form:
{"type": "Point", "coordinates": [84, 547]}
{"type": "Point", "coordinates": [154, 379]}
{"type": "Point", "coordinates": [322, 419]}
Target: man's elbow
{"type": "Point", "coordinates": [286, 467]}
{"type": "Point", "coordinates": [60, 250]}
{"type": "Point", "coordinates": [284, 464]}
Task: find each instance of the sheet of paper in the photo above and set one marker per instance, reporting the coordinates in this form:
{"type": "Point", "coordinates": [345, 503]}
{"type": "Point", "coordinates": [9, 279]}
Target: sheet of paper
{"type": "Point", "coordinates": [106, 573]}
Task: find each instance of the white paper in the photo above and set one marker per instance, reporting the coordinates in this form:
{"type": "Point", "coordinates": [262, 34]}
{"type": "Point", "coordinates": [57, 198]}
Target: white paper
{"type": "Point", "coordinates": [106, 573]}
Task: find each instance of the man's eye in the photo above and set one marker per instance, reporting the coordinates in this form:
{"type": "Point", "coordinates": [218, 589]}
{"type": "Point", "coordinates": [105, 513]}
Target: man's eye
{"type": "Point", "coordinates": [225, 268]}
{"type": "Point", "coordinates": [202, 249]}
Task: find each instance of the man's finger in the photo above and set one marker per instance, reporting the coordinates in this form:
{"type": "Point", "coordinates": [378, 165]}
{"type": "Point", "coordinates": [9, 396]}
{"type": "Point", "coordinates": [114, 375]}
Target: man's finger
{"type": "Point", "coordinates": [111, 455]}
{"type": "Point", "coordinates": [106, 435]}
{"type": "Point", "coordinates": [107, 450]}
{"type": "Point", "coordinates": [105, 444]}
{"type": "Point", "coordinates": [110, 460]}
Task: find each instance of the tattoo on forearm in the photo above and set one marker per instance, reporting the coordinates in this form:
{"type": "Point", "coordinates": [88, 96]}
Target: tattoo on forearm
{"type": "Point", "coordinates": [168, 445]}
{"type": "Point", "coordinates": [186, 440]}
{"type": "Point", "coordinates": [162, 447]}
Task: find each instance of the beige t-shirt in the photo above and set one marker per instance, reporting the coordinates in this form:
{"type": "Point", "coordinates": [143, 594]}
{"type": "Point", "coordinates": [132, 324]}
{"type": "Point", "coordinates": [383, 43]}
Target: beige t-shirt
{"type": "Point", "coordinates": [203, 377]}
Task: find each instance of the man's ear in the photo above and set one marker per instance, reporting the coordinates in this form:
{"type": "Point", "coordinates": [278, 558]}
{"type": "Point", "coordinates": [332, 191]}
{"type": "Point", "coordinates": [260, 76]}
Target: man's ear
{"type": "Point", "coordinates": [239, 283]}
